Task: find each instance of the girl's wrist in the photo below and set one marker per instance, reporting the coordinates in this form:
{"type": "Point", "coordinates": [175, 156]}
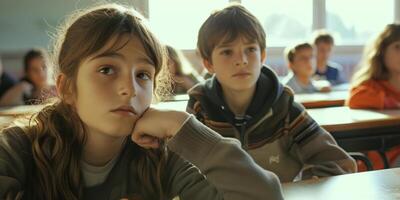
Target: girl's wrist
{"type": "Point", "coordinates": [177, 119]}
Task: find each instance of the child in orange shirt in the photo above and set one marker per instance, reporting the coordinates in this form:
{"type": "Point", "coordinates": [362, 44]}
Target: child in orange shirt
{"type": "Point", "coordinates": [376, 85]}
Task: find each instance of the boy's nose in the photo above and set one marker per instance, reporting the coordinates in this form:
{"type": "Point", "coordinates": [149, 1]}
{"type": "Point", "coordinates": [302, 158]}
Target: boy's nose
{"type": "Point", "coordinates": [241, 60]}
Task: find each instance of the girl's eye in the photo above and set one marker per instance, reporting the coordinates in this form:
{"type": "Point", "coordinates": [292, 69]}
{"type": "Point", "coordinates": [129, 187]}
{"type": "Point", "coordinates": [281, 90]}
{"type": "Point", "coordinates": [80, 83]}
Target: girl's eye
{"type": "Point", "coordinates": [107, 70]}
{"type": "Point", "coordinates": [226, 52]}
{"type": "Point", "coordinates": [144, 76]}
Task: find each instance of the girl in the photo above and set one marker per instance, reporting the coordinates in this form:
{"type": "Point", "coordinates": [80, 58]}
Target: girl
{"type": "Point", "coordinates": [79, 147]}
{"type": "Point", "coordinates": [183, 75]}
{"type": "Point", "coordinates": [33, 87]}
{"type": "Point", "coordinates": [376, 85]}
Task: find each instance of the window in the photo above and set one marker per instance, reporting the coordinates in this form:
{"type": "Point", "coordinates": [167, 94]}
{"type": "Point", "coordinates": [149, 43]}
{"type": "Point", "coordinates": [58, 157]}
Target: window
{"type": "Point", "coordinates": [177, 22]}
{"type": "Point", "coordinates": [355, 22]}
{"type": "Point", "coordinates": [284, 21]}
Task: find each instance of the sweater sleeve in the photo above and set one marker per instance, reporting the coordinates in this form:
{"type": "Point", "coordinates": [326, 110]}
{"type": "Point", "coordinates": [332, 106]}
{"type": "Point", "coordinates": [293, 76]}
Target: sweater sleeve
{"type": "Point", "coordinates": [14, 153]}
{"type": "Point", "coordinates": [315, 148]}
{"type": "Point", "coordinates": [366, 96]}
{"type": "Point", "coordinates": [226, 166]}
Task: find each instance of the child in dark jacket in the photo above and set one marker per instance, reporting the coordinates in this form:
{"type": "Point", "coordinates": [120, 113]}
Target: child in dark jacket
{"type": "Point", "coordinates": [245, 100]}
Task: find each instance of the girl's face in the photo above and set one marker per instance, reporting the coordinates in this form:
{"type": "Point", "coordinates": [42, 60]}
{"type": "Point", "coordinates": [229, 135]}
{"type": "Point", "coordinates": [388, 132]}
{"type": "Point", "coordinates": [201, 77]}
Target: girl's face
{"type": "Point", "coordinates": [392, 58]}
{"type": "Point", "coordinates": [114, 88]}
{"type": "Point", "coordinates": [37, 72]}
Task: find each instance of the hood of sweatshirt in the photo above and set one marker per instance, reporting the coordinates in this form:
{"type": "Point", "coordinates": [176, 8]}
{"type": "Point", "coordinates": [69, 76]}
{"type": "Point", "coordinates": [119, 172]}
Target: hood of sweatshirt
{"type": "Point", "coordinates": [268, 90]}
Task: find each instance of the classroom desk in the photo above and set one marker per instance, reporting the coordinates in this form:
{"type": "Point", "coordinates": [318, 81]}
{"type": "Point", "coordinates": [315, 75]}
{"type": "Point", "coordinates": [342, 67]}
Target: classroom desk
{"type": "Point", "coordinates": [19, 110]}
{"type": "Point", "coordinates": [179, 97]}
{"type": "Point", "coordinates": [172, 105]}
{"type": "Point", "coordinates": [360, 130]}
{"type": "Point", "coordinates": [320, 100]}
{"type": "Point", "coordinates": [372, 185]}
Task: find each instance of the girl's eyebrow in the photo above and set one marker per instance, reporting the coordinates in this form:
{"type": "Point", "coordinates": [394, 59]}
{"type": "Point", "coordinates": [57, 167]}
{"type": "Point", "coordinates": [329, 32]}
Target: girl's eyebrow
{"type": "Point", "coordinates": [145, 60]}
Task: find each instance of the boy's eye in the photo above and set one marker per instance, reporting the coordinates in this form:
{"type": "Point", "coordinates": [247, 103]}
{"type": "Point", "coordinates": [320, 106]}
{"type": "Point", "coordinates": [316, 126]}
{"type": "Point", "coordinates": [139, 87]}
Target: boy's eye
{"type": "Point", "coordinates": [107, 70]}
{"type": "Point", "coordinates": [252, 49]}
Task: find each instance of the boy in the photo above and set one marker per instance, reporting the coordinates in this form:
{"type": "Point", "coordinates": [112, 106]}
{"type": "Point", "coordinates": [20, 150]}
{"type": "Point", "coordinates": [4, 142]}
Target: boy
{"type": "Point", "coordinates": [299, 59]}
{"type": "Point", "coordinates": [245, 100]}
{"type": "Point", "coordinates": [326, 69]}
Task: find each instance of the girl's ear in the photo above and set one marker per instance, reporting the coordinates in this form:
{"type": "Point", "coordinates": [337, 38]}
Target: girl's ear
{"type": "Point", "coordinates": [63, 92]}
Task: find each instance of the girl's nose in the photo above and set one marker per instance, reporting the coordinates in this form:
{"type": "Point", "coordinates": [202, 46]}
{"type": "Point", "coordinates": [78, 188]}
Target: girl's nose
{"type": "Point", "coordinates": [127, 87]}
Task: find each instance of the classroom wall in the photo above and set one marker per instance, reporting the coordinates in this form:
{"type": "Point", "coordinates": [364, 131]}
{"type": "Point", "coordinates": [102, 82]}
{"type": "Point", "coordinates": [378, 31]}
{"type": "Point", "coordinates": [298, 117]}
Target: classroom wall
{"type": "Point", "coordinates": [20, 32]}
{"type": "Point", "coordinates": [24, 24]}
{"type": "Point", "coordinates": [347, 56]}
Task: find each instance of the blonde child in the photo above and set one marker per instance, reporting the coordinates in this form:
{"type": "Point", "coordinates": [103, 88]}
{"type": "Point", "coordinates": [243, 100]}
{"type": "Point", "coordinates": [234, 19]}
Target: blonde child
{"type": "Point", "coordinates": [79, 147]}
{"type": "Point", "coordinates": [299, 59]}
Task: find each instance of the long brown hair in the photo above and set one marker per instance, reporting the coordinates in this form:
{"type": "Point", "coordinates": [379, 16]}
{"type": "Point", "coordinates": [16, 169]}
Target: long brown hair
{"type": "Point", "coordinates": [372, 65]}
{"type": "Point", "coordinates": [57, 132]}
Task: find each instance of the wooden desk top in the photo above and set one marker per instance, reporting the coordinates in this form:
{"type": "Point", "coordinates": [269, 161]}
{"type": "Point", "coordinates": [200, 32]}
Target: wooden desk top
{"type": "Point", "coordinates": [372, 185]}
{"type": "Point", "coordinates": [344, 118]}
{"type": "Point", "coordinates": [319, 100]}
{"type": "Point", "coordinates": [19, 110]}
{"type": "Point", "coordinates": [179, 97]}
{"type": "Point", "coordinates": [172, 105]}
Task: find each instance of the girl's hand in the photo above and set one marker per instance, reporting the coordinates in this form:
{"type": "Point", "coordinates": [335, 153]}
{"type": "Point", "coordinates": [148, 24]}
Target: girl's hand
{"type": "Point", "coordinates": [155, 124]}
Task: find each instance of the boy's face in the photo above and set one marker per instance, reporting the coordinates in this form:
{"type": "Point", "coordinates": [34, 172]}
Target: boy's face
{"type": "Point", "coordinates": [237, 64]}
{"type": "Point", "coordinates": [302, 62]}
{"type": "Point", "coordinates": [324, 50]}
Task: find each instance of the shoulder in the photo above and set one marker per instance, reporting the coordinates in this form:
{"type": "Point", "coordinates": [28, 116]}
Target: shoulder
{"type": "Point", "coordinates": [288, 78]}
{"type": "Point", "coordinates": [14, 139]}
{"type": "Point", "coordinates": [334, 66]}
{"type": "Point", "coordinates": [370, 85]}
{"type": "Point", "coordinates": [8, 78]}
{"type": "Point", "coordinates": [197, 96]}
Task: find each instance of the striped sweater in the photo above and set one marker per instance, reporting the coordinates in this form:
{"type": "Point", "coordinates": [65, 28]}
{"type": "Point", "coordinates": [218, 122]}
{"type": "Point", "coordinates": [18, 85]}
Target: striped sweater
{"type": "Point", "coordinates": [276, 131]}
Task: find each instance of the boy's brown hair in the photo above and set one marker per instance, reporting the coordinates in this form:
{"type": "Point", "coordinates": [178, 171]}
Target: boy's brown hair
{"type": "Point", "coordinates": [290, 52]}
{"type": "Point", "coordinates": [228, 24]}
{"type": "Point", "coordinates": [323, 36]}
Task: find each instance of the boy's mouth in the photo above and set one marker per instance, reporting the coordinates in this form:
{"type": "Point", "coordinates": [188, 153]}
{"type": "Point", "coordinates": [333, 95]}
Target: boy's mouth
{"type": "Point", "coordinates": [242, 74]}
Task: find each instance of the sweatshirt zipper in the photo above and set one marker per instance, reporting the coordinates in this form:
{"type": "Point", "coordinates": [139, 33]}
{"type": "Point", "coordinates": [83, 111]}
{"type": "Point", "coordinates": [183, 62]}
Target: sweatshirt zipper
{"type": "Point", "coordinates": [243, 130]}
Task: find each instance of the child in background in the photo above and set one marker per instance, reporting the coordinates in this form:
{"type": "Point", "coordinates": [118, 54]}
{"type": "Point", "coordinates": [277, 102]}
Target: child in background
{"type": "Point", "coordinates": [33, 87]}
{"type": "Point", "coordinates": [376, 85]}
{"type": "Point", "coordinates": [107, 64]}
{"type": "Point", "coordinates": [326, 69]}
{"type": "Point", "coordinates": [299, 59]}
{"type": "Point", "coordinates": [183, 74]}
{"type": "Point", "coordinates": [245, 100]}
{"type": "Point", "coordinates": [6, 80]}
